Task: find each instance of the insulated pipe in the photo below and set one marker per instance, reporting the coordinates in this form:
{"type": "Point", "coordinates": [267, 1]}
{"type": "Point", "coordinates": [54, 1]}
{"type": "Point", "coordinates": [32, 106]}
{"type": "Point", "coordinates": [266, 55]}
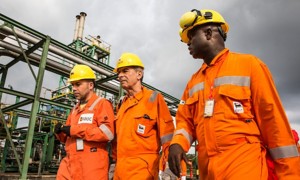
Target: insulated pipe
{"type": "Point", "coordinates": [64, 54]}
{"type": "Point", "coordinates": [6, 52]}
{"type": "Point", "coordinates": [14, 51]}
{"type": "Point", "coordinates": [76, 28]}
{"type": "Point", "coordinates": [57, 50]}
{"type": "Point", "coordinates": [81, 25]}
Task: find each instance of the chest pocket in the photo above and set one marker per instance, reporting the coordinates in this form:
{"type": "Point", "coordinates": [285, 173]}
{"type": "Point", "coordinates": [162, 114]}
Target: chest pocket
{"type": "Point", "coordinates": [235, 102]}
{"type": "Point", "coordinates": [145, 124]}
{"type": "Point", "coordinates": [192, 104]}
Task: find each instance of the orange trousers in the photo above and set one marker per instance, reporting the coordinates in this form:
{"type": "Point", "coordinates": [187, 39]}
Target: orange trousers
{"type": "Point", "coordinates": [92, 166]}
{"type": "Point", "coordinates": [142, 167]}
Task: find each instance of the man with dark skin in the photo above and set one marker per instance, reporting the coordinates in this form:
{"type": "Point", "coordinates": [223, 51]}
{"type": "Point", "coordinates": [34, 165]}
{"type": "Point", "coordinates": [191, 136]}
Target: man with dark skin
{"type": "Point", "coordinates": [231, 108]}
{"type": "Point", "coordinates": [205, 42]}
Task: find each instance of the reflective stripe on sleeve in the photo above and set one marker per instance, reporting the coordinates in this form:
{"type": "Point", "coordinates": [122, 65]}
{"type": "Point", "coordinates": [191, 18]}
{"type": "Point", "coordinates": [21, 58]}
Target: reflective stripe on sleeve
{"type": "Point", "coordinates": [185, 134]}
{"type": "Point", "coordinates": [106, 131]}
{"type": "Point", "coordinates": [153, 96]}
{"type": "Point", "coordinates": [95, 103]}
{"type": "Point", "coordinates": [166, 138]}
{"type": "Point", "coordinates": [233, 80]}
{"type": "Point", "coordinates": [284, 152]}
{"type": "Point", "coordinates": [197, 87]}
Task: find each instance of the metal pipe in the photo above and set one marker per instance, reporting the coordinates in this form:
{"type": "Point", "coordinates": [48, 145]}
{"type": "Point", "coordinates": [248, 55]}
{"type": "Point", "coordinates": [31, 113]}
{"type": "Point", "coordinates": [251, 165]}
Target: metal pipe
{"type": "Point", "coordinates": [6, 52]}
{"type": "Point", "coordinates": [57, 51]}
{"type": "Point", "coordinates": [14, 51]}
{"type": "Point", "coordinates": [60, 68]}
{"type": "Point", "coordinates": [68, 56]}
{"type": "Point", "coordinates": [81, 25]}
{"type": "Point", "coordinates": [76, 28]}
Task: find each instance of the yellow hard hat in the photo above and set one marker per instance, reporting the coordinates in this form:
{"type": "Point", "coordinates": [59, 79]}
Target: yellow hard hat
{"type": "Point", "coordinates": [80, 72]}
{"type": "Point", "coordinates": [128, 59]}
{"type": "Point", "coordinates": [195, 17]}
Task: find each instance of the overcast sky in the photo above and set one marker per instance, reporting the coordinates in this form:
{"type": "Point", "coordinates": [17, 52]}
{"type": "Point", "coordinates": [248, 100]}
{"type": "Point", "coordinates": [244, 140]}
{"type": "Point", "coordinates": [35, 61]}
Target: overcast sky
{"type": "Point", "coordinates": [269, 29]}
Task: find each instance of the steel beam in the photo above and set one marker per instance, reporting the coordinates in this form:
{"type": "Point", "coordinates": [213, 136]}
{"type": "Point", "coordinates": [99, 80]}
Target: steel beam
{"type": "Point", "coordinates": [34, 109]}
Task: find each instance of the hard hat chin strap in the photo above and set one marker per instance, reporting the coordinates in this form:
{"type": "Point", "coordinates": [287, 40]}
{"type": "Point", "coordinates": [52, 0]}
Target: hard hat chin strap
{"type": "Point", "coordinates": [222, 33]}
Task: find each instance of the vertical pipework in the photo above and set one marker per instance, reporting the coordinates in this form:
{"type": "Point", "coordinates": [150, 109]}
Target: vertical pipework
{"type": "Point", "coordinates": [81, 25]}
{"type": "Point", "coordinates": [76, 28]}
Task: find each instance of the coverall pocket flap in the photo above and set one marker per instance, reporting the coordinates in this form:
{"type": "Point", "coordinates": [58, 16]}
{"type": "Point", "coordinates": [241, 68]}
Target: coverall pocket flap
{"type": "Point", "coordinates": [144, 115]}
{"type": "Point", "coordinates": [192, 100]}
{"type": "Point", "coordinates": [235, 92]}
{"type": "Point", "coordinates": [252, 139]}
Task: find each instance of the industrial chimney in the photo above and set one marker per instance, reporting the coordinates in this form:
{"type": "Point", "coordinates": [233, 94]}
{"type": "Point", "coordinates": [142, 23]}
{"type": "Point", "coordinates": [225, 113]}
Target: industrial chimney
{"type": "Point", "coordinates": [76, 28]}
{"type": "Point", "coordinates": [81, 25]}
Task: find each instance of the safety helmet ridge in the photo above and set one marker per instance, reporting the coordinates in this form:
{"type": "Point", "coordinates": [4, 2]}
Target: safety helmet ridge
{"type": "Point", "coordinates": [195, 18]}
{"type": "Point", "coordinates": [81, 71]}
{"type": "Point", "coordinates": [128, 59]}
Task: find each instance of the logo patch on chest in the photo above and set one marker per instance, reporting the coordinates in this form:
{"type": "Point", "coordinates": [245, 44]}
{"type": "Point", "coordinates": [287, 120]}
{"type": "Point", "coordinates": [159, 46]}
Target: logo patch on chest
{"type": "Point", "coordinates": [182, 102]}
{"type": "Point", "coordinates": [141, 128]}
{"type": "Point", "coordinates": [86, 118]}
{"type": "Point", "coordinates": [238, 107]}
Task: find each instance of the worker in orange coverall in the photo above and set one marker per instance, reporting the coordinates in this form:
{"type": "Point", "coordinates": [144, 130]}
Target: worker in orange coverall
{"type": "Point", "coordinates": [231, 107]}
{"type": "Point", "coordinates": [88, 129]}
{"type": "Point", "coordinates": [144, 125]}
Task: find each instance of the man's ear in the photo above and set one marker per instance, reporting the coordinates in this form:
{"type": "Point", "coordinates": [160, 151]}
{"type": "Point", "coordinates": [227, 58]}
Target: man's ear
{"type": "Point", "coordinates": [91, 85]}
{"type": "Point", "coordinates": [140, 74]}
{"type": "Point", "coordinates": [208, 34]}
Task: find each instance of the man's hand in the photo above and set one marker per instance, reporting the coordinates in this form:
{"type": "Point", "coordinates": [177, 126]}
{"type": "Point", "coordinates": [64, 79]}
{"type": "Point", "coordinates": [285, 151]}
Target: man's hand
{"type": "Point", "coordinates": [57, 128]}
{"type": "Point", "coordinates": [66, 129]}
{"type": "Point", "coordinates": [176, 154]}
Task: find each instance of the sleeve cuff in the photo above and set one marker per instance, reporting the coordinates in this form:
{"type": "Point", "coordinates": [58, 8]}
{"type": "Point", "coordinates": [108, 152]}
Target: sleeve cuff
{"type": "Point", "coordinates": [181, 140]}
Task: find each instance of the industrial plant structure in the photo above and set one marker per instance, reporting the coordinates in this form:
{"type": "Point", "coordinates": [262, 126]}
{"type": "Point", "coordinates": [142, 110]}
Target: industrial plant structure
{"type": "Point", "coordinates": [33, 149]}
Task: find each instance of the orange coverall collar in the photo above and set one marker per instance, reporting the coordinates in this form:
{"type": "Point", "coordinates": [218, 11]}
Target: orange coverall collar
{"type": "Point", "coordinates": [216, 59]}
{"type": "Point", "coordinates": [88, 104]}
{"type": "Point", "coordinates": [139, 95]}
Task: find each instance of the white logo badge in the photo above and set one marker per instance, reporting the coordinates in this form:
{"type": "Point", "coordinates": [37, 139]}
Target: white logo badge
{"type": "Point", "coordinates": [238, 107]}
{"type": "Point", "coordinates": [141, 128]}
{"type": "Point", "coordinates": [86, 118]}
{"type": "Point", "coordinates": [182, 102]}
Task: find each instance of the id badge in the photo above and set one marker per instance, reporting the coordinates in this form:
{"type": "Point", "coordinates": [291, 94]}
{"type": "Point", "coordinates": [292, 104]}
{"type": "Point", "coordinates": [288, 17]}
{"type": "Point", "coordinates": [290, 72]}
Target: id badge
{"type": "Point", "coordinates": [209, 108]}
{"type": "Point", "coordinates": [79, 144]}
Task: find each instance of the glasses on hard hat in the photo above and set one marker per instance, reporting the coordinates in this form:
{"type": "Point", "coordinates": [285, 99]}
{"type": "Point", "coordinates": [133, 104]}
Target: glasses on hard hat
{"type": "Point", "coordinates": [190, 21]}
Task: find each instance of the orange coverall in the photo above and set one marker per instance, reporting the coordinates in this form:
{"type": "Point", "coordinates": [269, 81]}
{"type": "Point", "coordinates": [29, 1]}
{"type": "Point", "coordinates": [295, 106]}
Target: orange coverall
{"type": "Point", "coordinates": [94, 125]}
{"type": "Point", "coordinates": [270, 162]}
{"type": "Point", "coordinates": [143, 125]}
{"type": "Point", "coordinates": [247, 115]}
